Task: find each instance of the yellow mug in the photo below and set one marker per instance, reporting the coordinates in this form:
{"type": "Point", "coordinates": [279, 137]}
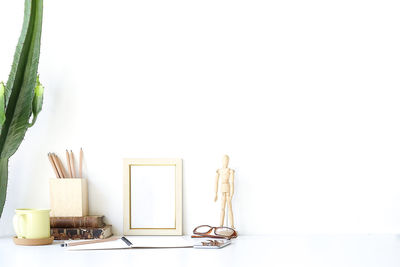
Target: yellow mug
{"type": "Point", "coordinates": [32, 223]}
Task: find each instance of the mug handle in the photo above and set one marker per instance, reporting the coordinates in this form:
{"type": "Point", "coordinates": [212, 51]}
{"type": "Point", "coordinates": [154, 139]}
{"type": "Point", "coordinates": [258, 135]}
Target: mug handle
{"type": "Point", "coordinates": [19, 225]}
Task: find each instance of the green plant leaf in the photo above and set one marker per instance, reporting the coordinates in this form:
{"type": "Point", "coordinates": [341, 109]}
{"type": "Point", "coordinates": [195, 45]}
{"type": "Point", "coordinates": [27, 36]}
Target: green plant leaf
{"type": "Point", "coordinates": [18, 95]}
{"type": "Point", "coordinates": [2, 104]}
{"type": "Point", "coordinates": [22, 80]}
{"type": "Point", "coordinates": [37, 101]}
{"type": "Point", "coordinates": [3, 182]}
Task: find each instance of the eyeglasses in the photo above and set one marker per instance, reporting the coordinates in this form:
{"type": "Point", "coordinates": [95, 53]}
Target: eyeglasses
{"type": "Point", "coordinates": [214, 232]}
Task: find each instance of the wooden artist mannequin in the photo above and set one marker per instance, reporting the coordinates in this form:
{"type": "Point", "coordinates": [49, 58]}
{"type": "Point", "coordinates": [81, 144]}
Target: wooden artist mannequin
{"type": "Point", "coordinates": [227, 190]}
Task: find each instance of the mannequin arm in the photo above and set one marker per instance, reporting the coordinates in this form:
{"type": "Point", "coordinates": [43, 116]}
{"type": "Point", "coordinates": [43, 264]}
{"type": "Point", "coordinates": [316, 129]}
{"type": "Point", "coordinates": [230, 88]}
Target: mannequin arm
{"type": "Point", "coordinates": [216, 187]}
{"type": "Point", "coordinates": [232, 183]}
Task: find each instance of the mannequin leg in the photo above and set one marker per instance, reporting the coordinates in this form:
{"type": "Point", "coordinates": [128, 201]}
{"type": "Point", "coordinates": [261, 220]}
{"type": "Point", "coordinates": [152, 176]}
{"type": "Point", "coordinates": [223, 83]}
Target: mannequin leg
{"type": "Point", "coordinates": [230, 213]}
{"type": "Point", "coordinates": [223, 204]}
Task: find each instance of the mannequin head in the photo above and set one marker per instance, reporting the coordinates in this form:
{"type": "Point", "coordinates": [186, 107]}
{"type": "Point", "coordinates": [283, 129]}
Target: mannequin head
{"type": "Point", "coordinates": [225, 161]}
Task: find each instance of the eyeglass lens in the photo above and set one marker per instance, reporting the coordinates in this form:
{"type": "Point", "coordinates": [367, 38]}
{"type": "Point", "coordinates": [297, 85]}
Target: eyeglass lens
{"type": "Point", "coordinates": [203, 229]}
{"type": "Point", "coordinates": [224, 231]}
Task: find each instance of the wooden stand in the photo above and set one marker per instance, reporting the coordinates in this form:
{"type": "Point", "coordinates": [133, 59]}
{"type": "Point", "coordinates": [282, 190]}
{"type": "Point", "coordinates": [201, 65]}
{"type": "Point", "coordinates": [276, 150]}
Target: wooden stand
{"type": "Point", "coordinates": [68, 197]}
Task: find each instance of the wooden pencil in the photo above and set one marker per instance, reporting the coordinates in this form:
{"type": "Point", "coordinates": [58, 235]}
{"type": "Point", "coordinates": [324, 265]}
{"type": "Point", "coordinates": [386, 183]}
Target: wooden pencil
{"type": "Point", "coordinates": [60, 165]}
{"type": "Point", "coordinates": [53, 165]}
{"type": "Point", "coordinates": [80, 162]}
{"type": "Point", "coordinates": [69, 164]}
{"type": "Point", "coordinates": [73, 164]}
{"type": "Point", "coordinates": [54, 157]}
{"type": "Point", "coordinates": [71, 244]}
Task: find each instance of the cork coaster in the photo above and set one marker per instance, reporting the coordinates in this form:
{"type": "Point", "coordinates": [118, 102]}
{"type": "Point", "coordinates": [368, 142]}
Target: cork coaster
{"type": "Point", "coordinates": [33, 242]}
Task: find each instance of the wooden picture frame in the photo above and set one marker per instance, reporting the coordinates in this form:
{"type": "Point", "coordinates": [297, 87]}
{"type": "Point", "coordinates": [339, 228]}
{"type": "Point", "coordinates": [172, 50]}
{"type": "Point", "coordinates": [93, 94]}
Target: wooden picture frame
{"type": "Point", "coordinates": [152, 196]}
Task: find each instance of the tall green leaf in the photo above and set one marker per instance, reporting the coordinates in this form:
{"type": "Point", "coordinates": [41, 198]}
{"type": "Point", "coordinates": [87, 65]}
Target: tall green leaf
{"type": "Point", "coordinates": [20, 89]}
{"type": "Point", "coordinates": [2, 104]}
{"type": "Point", "coordinates": [22, 80]}
{"type": "Point", "coordinates": [3, 182]}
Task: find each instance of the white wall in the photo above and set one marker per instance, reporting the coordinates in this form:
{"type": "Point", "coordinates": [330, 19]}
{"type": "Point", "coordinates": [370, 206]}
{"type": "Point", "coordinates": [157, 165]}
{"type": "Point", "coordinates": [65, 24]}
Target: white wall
{"type": "Point", "coordinates": [303, 95]}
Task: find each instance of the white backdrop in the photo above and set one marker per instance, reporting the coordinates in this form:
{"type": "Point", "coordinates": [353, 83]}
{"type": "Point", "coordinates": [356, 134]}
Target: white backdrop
{"type": "Point", "coordinates": [303, 95]}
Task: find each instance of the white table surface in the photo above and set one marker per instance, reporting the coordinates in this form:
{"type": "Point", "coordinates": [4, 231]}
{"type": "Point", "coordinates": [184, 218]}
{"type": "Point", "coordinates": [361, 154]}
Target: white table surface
{"type": "Point", "coordinates": [270, 250]}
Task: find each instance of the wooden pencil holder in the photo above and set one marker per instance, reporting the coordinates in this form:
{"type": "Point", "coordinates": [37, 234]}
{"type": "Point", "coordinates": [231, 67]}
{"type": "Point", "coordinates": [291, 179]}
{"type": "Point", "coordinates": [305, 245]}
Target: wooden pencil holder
{"type": "Point", "coordinates": [68, 197]}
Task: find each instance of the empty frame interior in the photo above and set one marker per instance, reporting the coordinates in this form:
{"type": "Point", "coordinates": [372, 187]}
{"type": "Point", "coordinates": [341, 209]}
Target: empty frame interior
{"type": "Point", "coordinates": [153, 196]}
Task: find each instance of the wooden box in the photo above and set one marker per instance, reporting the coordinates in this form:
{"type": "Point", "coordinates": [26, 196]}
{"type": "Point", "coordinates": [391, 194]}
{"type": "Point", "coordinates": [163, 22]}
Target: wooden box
{"type": "Point", "coordinates": [68, 197]}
